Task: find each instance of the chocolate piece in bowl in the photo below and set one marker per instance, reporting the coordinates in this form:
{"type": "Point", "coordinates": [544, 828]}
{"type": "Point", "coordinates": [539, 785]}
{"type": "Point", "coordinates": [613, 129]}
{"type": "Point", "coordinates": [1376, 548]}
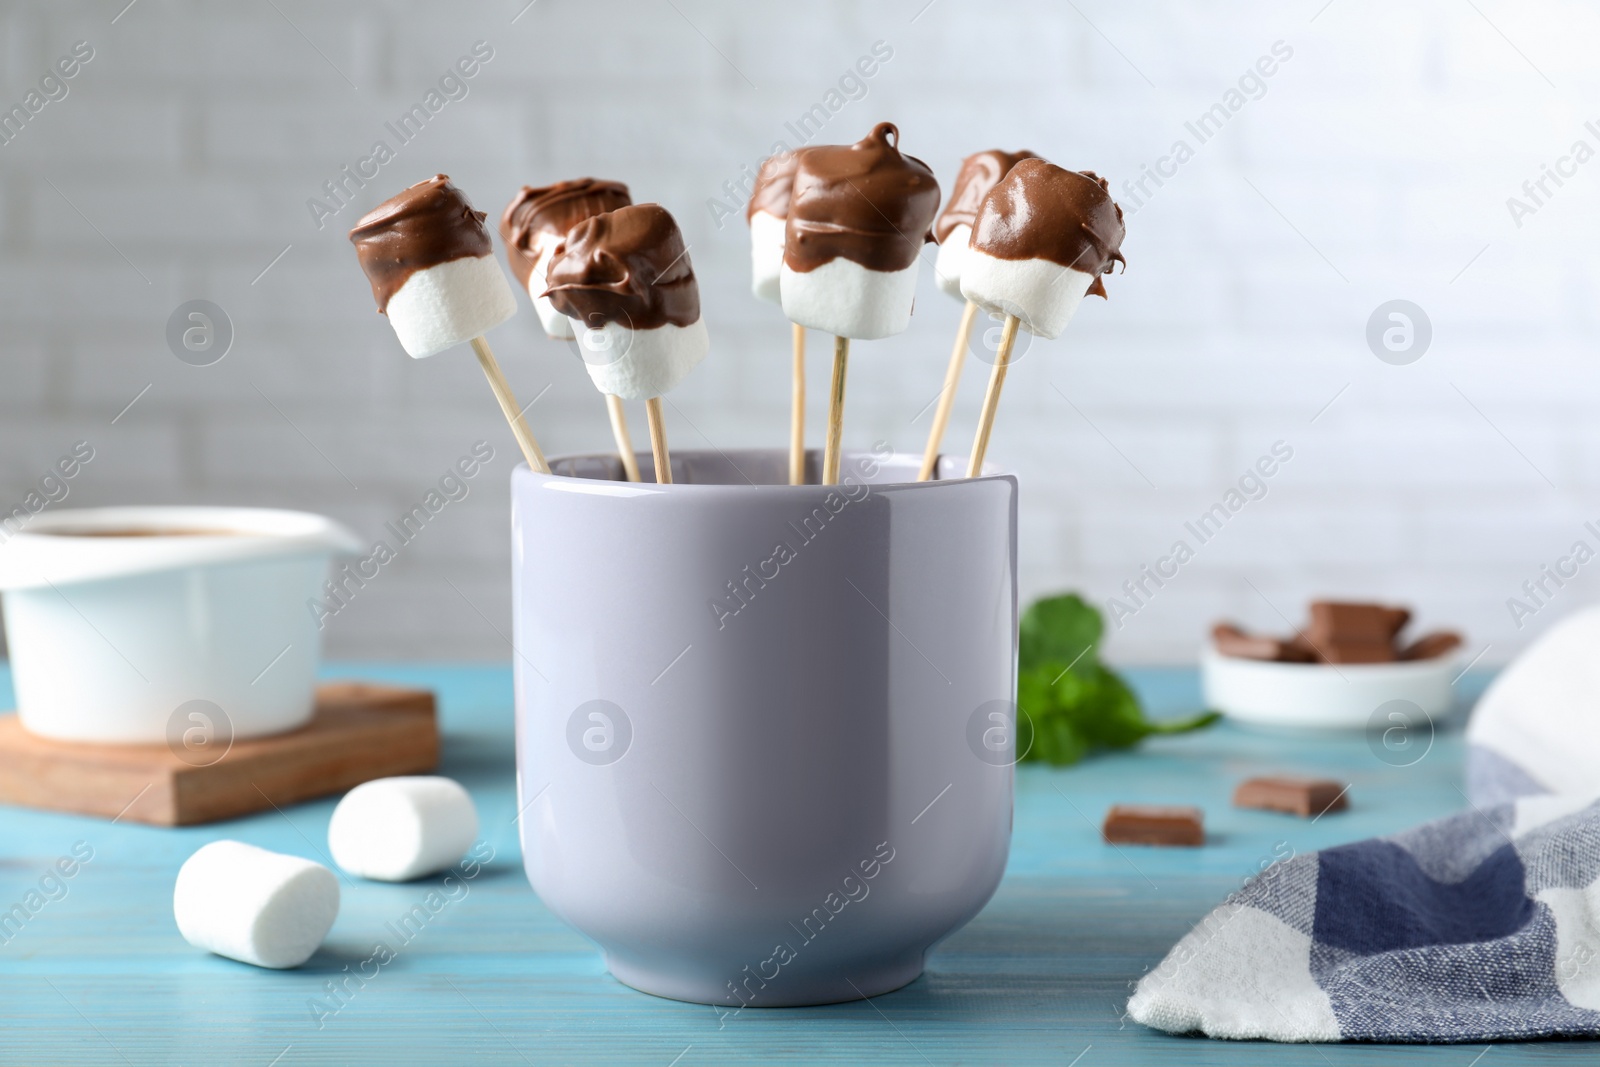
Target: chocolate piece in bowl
{"type": "Point", "coordinates": [1356, 652]}
{"type": "Point", "coordinates": [1432, 646]}
{"type": "Point", "coordinates": [1305, 797]}
{"type": "Point", "coordinates": [1353, 632]}
{"type": "Point", "coordinates": [1351, 622]}
{"type": "Point", "coordinates": [1368, 666]}
{"type": "Point", "coordinates": [1230, 640]}
{"type": "Point", "coordinates": [1152, 824]}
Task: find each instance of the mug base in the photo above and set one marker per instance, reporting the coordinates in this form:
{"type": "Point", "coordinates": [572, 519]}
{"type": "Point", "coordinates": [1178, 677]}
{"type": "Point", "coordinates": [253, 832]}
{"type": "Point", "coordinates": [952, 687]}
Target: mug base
{"type": "Point", "coordinates": [800, 992]}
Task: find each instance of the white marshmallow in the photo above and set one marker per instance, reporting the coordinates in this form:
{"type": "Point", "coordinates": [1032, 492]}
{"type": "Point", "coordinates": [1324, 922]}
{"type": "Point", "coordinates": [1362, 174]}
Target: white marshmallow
{"type": "Point", "coordinates": [845, 299]}
{"type": "Point", "coordinates": [254, 906]}
{"type": "Point", "coordinates": [397, 829]}
{"type": "Point", "coordinates": [449, 304]}
{"type": "Point", "coordinates": [766, 254]}
{"type": "Point", "coordinates": [1042, 294]}
{"type": "Point", "coordinates": [556, 325]}
{"type": "Point", "coordinates": [640, 364]}
{"type": "Point", "coordinates": [952, 254]}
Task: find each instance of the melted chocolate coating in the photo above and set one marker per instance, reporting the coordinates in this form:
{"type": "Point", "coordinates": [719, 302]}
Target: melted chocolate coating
{"type": "Point", "coordinates": [1042, 211]}
{"type": "Point", "coordinates": [980, 172]}
{"type": "Point", "coordinates": [553, 209]}
{"type": "Point", "coordinates": [863, 202]}
{"type": "Point", "coordinates": [774, 186]}
{"type": "Point", "coordinates": [426, 225]}
{"type": "Point", "coordinates": [627, 266]}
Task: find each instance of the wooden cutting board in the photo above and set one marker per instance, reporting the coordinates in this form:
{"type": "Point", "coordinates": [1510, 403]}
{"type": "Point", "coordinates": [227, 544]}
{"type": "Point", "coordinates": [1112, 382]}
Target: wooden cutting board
{"type": "Point", "coordinates": [358, 732]}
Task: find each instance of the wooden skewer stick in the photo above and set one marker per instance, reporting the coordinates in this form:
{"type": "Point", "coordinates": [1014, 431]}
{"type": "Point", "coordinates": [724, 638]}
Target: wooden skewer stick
{"type": "Point", "coordinates": [658, 441]}
{"type": "Point", "coordinates": [797, 410]}
{"type": "Point", "coordinates": [991, 399]}
{"type": "Point", "coordinates": [830, 456]}
{"type": "Point", "coordinates": [509, 405]}
{"type": "Point", "coordinates": [619, 430]}
{"type": "Point", "coordinates": [947, 399]}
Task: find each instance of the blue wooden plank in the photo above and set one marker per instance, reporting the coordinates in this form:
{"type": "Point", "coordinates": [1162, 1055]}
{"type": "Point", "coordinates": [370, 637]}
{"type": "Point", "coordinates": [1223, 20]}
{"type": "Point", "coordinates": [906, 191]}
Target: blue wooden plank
{"type": "Point", "coordinates": [100, 975]}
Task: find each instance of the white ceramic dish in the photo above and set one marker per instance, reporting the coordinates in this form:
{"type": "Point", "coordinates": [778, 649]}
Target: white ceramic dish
{"type": "Point", "coordinates": [1321, 696]}
{"type": "Point", "coordinates": [110, 636]}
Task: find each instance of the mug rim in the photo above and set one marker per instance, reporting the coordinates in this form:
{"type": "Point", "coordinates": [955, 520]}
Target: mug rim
{"type": "Point", "coordinates": [581, 484]}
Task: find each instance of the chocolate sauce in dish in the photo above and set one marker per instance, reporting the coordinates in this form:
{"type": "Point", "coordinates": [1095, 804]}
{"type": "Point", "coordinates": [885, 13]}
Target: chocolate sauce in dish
{"type": "Point", "coordinates": [1042, 211]}
{"type": "Point", "coordinates": [534, 214]}
{"type": "Point", "coordinates": [864, 202]}
{"type": "Point", "coordinates": [627, 266]}
{"type": "Point", "coordinates": [426, 225]}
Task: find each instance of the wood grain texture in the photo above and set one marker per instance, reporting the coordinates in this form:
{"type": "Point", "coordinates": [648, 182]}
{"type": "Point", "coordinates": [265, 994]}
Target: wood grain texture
{"type": "Point", "coordinates": [947, 395]}
{"type": "Point", "coordinates": [100, 975]}
{"type": "Point", "coordinates": [358, 732]}
{"type": "Point", "coordinates": [509, 406]}
{"type": "Point", "coordinates": [660, 457]}
{"type": "Point", "coordinates": [797, 404]}
{"type": "Point", "coordinates": [619, 432]}
{"type": "Point", "coordinates": [833, 445]}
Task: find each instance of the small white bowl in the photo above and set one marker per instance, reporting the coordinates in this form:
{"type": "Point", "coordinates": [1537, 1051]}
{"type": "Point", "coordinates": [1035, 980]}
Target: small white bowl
{"type": "Point", "coordinates": [1321, 696]}
{"type": "Point", "coordinates": [111, 636]}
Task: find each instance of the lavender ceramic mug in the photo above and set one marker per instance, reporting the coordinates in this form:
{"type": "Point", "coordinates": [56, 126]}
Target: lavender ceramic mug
{"type": "Point", "coordinates": [763, 733]}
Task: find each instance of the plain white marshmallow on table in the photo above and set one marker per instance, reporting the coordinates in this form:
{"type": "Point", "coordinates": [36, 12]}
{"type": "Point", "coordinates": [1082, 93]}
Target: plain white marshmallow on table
{"type": "Point", "coordinates": [449, 304]}
{"type": "Point", "coordinates": [845, 299]}
{"type": "Point", "coordinates": [255, 906]}
{"type": "Point", "coordinates": [397, 829]}
{"type": "Point", "coordinates": [641, 364]}
{"type": "Point", "coordinates": [1041, 294]}
{"type": "Point", "coordinates": [952, 255]}
{"type": "Point", "coordinates": [766, 255]}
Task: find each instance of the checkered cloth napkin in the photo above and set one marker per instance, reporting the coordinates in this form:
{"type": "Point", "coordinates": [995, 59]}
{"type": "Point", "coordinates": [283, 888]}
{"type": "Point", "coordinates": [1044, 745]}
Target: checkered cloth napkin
{"type": "Point", "coordinates": [1481, 926]}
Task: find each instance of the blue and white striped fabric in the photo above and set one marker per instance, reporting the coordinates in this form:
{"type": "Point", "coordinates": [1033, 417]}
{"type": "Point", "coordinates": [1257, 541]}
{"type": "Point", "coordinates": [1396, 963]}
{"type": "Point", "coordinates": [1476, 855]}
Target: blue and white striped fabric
{"type": "Point", "coordinates": [1481, 926]}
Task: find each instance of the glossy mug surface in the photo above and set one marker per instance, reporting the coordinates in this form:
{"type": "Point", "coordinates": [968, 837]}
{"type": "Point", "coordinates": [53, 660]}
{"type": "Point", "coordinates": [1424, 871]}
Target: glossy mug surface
{"type": "Point", "coordinates": [764, 736]}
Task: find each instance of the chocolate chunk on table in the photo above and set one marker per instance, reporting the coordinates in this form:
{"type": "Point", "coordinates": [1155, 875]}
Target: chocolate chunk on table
{"type": "Point", "coordinates": [1432, 645]}
{"type": "Point", "coordinates": [1232, 641]}
{"type": "Point", "coordinates": [1296, 796]}
{"type": "Point", "coordinates": [1147, 824]}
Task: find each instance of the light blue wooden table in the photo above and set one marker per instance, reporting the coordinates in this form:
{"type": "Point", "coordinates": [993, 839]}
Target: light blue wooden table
{"type": "Point", "coordinates": [100, 975]}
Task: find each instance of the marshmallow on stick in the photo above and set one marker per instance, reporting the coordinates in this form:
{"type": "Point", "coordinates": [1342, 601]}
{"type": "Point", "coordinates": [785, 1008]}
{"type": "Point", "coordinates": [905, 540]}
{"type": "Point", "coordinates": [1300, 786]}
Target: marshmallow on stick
{"type": "Point", "coordinates": [1042, 238]}
{"type": "Point", "coordinates": [767, 214]}
{"type": "Point", "coordinates": [532, 225]}
{"type": "Point", "coordinates": [625, 279]}
{"type": "Point", "coordinates": [857, 220]}
{"type": "Point", "coordinates": [433, 272]}
{"type": "Point", "coordinates": [537, 220]}
{"type": "Point", "coordinates": [979, 173]}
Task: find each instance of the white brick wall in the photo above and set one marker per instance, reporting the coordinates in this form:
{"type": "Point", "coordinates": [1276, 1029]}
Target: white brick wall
{"type": "Point", "coordinates": [1390, 141]}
